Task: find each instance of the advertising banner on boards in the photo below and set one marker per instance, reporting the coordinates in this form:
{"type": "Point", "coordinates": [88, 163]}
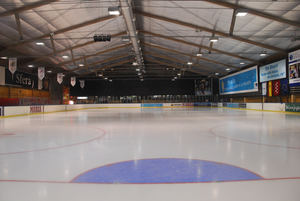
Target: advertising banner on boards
{"type": "Point", "coordinates": [241, 82]}
{"type": "Point", "coordinates": [274, 71]}
{"type": "Point", "coordinates": [294, 68]}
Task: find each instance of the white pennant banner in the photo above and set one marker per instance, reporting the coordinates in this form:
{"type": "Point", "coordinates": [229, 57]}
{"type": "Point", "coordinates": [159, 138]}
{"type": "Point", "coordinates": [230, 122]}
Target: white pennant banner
{"type": "Point", "coordinates": [41, 73]}
{"type": "Point", "coordinates": [12, 65]}
{"type": "Point", "coordinates": [73, 81]}
{"type": "Point", "coordinates": [60, 77]}
{"type": "Point", "coordinates": [81, 83]}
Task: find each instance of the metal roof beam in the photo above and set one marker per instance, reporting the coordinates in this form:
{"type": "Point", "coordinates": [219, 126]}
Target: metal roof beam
{"type": "Point", "coordinates": [60, 31]}
{"type": "Point", "coordinates": [201, 67]}
{"type": "Point", "coordinates": [95, 54]}
{"type": "Point", "coordinates": [220, 33]}
{"type": "Point", "coordinates": [110, 66]}
{"type": "Point", "coordinates": [27, 7]}
{"type": "Point", "coordinates": [255, 12]}
{"type": "Point", "coordinates": [100, 62]}
{"type": "Point", "coordinates": [197, 45]}
{"type": "Point", "coordinates": [185, 54]}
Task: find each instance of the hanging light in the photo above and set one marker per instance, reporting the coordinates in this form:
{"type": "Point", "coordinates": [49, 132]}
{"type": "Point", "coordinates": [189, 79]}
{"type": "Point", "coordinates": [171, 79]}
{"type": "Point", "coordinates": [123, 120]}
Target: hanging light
{"type": "Point", "coordinates": [214, 39]}
{"type": "Point", "coordinates": [115, 10]}
{"type": "Point", "coordinates": [241, 13]}
{"type": "Point", "coordinates": [189, 63]}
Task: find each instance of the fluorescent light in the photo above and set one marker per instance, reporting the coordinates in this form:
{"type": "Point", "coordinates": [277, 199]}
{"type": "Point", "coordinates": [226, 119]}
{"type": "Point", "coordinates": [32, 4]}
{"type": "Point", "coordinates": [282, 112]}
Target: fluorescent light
{"type": "Point", "coordinates": [214, 39]}
{"type": "Point", "coordinates": [125, 38]}
{"type": "Point", "coordinates": [263, 54]}
{"type": "Point", "coordinates": [65, 56]}
{"type": "Point", "coordinates": [189, 63]}
{"type": "Point", "coordinates": [40, 43]}
{"type": "Point", "coordinates": [49, 71]}
{"type": "Point", "coordinates": [137, 69]}
{"type": "Point", "coordinates": [30, 66]}
{"type": "Point", "coordinates": [114, 10]}
{"type": "Point", "coordinates": [228, 69]}
{"type": "Point", "coordinates": [217, 73]}
{"type": "Point", "coordinates": [199, 55]}
{"type": "Point", "coordinates": [100, 75]}
{"type": "Point", "coordinates": [81, 65]}
{"type": "Point", "coordinates": [178, 74]}
{"type": "Point", "coordinates": [82, 97]}
{"type": "Point", "coordinates": [134, 63]}
{"type": "Point", "coordinates": [241, 13]}
{"type": "Point", "coordinates": [242, 63]}
{"type": "Point", "coordinates": [175, 78]}
{"type": "Point", "coordinates": [105, 78]}
{"type": "Point", "coordinates": [3, 57]}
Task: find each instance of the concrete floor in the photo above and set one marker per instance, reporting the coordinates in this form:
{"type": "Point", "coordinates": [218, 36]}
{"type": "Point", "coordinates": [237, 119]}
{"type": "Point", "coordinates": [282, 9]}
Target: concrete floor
{"type": "Point", "coordinates": [151, 154]}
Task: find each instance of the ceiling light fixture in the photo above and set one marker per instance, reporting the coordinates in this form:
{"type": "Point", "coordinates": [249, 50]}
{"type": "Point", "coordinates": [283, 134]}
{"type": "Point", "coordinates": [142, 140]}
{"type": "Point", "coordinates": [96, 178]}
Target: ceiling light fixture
{"type": "Point", "coordinates": [81, 65]}
{"type": "Point", "coordinates": [40, 43]}
{"type": "Point", "coordinates": [217, 73]}
{"type": "Point", "coordinates": [115, 10]}
{"type": "Point", "coordinates": [65, 56]}
{"type": "Point", "coordinates": [125, 38]}
{"type": "Point", "coordinates": [189, 63]}
{"type": "Point", "coordinates": [137, 69]}
{"type": "Point", "coordinates": [242, 63]}
{"type": "Point", "coordinates": [105, 78]}
{"type": "Point", "coordinates": [228, 69]}
{"type": "Point", "coordinates": [3, 57]}
{"type": "Point", "coordinates": [178, 74]}
{"type": "Point", "coordinates": [241, 13]}
{"type": "Point", "coordinates": [199, 55]}
{"type": "Point", "coordinates": [134, 63]}
{"type": "Point", "coordinates": [30, 66]}
{"type": "Point", "coordinates": [49, 71]}
{"type": "Point", "coordinates": [214, 39]}
{"type": "Point", "coordinates": [263, 54]}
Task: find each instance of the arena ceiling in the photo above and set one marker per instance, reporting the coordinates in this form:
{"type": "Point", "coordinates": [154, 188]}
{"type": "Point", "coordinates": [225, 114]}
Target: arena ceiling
{"type": "Point", "coordinates": [167, 39]}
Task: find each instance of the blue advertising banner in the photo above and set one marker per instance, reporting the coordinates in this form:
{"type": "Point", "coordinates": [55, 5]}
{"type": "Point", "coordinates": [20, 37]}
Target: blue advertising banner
{"type": "Point", "coordinates": [294, 68]}
{"type": "Point", "coordinates": [241, 82]}
{"type": "Point", "coordinates": [274, 71]}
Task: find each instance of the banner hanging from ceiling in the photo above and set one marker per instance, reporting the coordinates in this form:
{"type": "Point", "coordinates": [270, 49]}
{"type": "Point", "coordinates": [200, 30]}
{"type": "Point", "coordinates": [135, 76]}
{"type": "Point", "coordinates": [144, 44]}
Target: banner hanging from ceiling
{"type": "Point", "coordinates": [294, 68]}
{"type": "Point", "coordinates": [12, 65]}
{"type": "Point", "coordinates": [241, 82]}
{"type": "Point", "coordinates": [82, 83]}
{"type": "Point", "coordinates": [41, 73]}
{"type": "Point", "coordinates": [73, 81]}
{"type": "Point", "coordinates": [60, 77]}
{"type": "Point", "coordinates": [273, 71]}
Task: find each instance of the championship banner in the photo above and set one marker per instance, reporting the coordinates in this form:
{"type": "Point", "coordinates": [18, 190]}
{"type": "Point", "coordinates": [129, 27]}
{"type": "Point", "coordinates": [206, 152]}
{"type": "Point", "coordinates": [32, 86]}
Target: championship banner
{"type": "Point", "coordinates": [270, 88]}
{"type": "Point", "coordinates": [276, 88]}
{"type": "Point", "coordinates": [12, 65]}
{"type": "Point", "coordinates": [40, 84]}
{"type": "Point", "coordinates": [41, 73]}
{"type": "Point", "coordinates": [60, 77]}
{"type": "Point", "coordinates": [284, 87]}
{"type": "Point", "coordinates": [82, 83]}
{"type": "Point", "coordinates": [73, 81]}
{"type": "Point", "coordinates": [264, 88]}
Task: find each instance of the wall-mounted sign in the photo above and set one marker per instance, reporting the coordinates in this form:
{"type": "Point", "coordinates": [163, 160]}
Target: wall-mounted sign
{"type": "Point", "coordinates": [294, 68]}
{"type": "Point", "coordinates": [21, 79]}
{"type": "Point", "coordinates": [241, 82]}
{"type": "Point", "coordinates": [274, 71]}
{"type": "Point", "coordinates": [203, 87]}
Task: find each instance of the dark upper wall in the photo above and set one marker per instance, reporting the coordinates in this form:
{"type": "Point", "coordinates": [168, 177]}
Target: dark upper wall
{"type": "Point", "coordinates": [133, 87]}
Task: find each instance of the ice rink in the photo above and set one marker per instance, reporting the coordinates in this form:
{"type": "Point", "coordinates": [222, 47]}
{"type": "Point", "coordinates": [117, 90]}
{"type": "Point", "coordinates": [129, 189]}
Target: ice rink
{"type": "Point", "coordinates": [151, 154]}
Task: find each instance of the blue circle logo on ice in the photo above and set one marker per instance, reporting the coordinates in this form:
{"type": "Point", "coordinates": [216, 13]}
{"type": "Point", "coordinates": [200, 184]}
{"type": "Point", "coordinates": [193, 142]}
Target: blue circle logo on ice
{"type": "Point", "coordinates": [165, 170]}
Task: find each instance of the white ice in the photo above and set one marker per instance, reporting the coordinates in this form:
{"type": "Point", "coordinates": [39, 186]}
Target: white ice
{"type": "Point", "coordinates": [40, 154]}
